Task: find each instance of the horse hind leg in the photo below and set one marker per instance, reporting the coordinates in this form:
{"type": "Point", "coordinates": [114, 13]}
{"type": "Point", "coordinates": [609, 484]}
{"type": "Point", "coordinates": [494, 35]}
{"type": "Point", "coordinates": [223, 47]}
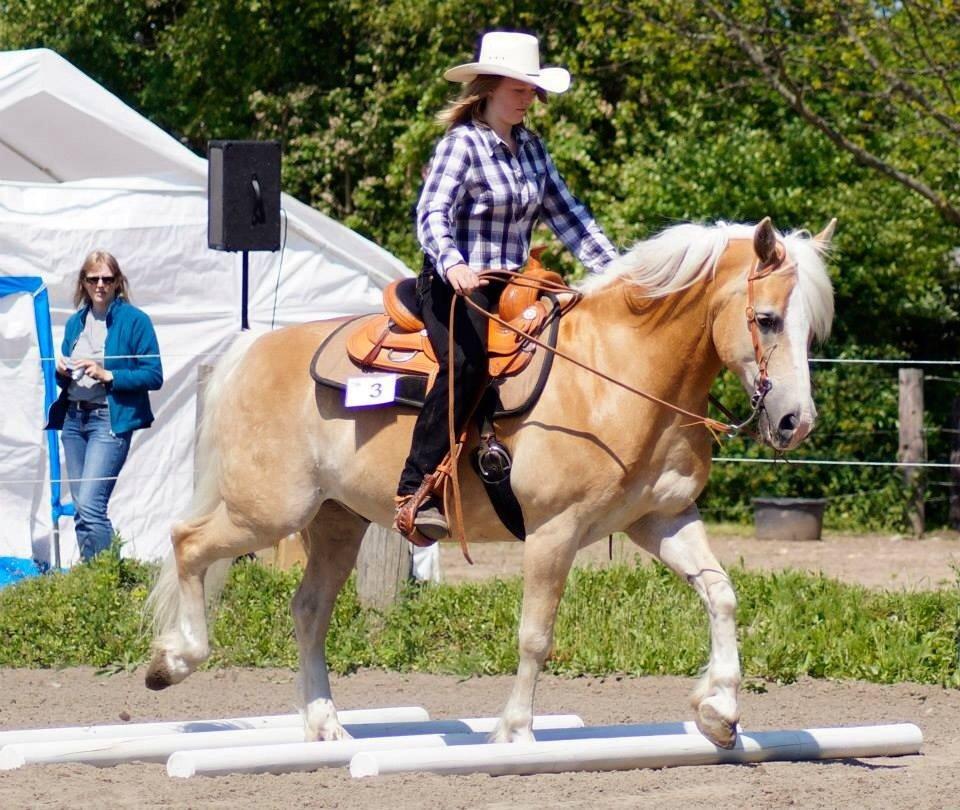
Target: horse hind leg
{"type": "Point", "coordinates": [177, 599]}
{"type": "Point", "coordinates": [681, 543]}
{"type": "Point", "coordinates": [333, 541]}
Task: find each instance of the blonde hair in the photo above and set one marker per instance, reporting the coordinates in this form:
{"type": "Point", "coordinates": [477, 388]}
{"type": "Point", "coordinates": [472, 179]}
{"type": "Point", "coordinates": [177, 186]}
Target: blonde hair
{"type": "Point", "coordinates": [95, 260]}
{"type": "Point", "coordinates": [472, 101]}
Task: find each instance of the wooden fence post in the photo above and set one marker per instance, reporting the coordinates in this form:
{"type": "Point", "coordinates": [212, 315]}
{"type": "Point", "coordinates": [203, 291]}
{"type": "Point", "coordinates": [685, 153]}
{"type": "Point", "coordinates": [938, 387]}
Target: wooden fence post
{"type": "Point", "coordinates": [955, 469]}
{"type": "Point", "coordinates": [912, 445]}
{"type": "Point", "coordinates": [383, 567]}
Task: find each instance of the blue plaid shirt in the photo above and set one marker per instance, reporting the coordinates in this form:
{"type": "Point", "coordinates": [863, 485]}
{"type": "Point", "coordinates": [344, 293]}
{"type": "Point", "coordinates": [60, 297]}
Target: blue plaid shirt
{"type": "Point", "coordinates": [480, 202]}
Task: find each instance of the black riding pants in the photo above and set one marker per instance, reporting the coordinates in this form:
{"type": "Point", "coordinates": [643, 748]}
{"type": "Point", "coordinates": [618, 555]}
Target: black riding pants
{"type": "Point", "coordinates": [431, 439]}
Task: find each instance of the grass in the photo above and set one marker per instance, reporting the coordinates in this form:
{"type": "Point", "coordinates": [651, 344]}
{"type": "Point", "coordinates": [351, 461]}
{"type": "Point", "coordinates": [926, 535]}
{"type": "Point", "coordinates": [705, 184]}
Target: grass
{"type": "Point", "coordinates": [633, 620]}
{"type": "Point", "coordinates": [89, 615]}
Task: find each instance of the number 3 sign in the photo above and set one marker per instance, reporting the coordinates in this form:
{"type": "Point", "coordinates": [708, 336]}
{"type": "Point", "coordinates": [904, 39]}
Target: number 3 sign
{"type": "Point", "coordinates": [370, 389]}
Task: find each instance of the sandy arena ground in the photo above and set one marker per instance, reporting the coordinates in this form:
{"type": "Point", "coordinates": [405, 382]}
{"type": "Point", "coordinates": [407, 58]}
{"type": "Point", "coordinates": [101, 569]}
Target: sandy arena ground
{"type": "Point", "coordinates": [931, 780]}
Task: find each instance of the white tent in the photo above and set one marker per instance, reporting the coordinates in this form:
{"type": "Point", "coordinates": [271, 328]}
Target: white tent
{"type": "Point", "coordinates": [79, 169]}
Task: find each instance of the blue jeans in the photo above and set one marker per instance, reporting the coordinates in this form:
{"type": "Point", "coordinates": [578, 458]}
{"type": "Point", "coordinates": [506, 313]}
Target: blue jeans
{"type": "Point", "coordinates": [94, 456]}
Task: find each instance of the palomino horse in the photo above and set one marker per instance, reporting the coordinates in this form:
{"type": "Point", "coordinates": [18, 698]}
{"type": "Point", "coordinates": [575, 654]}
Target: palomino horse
{"type": "Point", "coordinates": [284, 455]}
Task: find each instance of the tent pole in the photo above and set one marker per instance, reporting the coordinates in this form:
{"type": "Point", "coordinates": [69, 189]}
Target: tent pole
{"type": "Point", "coordinates": [244, 323]}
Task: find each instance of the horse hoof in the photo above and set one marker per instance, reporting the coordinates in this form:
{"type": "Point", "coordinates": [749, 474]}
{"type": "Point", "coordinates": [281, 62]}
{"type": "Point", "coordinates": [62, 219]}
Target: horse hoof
{"type": "Point", "coordinates": [165, 670]}
{"type": "Point", "coordinates": [720, 731]}
{"type": "Point", "coordinates": [158, 677]}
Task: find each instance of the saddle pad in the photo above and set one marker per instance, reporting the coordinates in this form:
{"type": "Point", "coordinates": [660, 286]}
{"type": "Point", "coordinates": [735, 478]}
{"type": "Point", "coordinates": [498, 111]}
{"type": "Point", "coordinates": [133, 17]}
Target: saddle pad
{"type": "Point", "coordinates": [332, 367]}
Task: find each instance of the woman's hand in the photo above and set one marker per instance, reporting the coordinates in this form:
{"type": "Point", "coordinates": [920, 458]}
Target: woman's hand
{"type": "Point", "coordinates": [93, 369]}
{"type": "Point", "coordinates": [464, 280]}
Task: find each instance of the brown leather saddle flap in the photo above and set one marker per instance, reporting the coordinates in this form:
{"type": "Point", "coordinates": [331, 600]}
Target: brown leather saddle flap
{"type": "Point", "coordinates": [379, 343]}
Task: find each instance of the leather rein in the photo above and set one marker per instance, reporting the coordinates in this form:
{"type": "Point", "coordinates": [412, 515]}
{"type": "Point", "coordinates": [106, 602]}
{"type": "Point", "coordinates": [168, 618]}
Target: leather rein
{"type": "Point", "coordinates": [762, 384]}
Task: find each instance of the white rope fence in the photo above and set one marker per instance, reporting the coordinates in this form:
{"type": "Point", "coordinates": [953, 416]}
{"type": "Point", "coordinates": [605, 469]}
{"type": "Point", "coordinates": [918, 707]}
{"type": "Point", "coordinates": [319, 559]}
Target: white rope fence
{"type": "Point", "coordinates": [836, 463]}
{"type": "Point", "coordinates": [882, 362]}
{"type": "Point", "coordinates": [165, 473]}
{"type": "Point", "coordinates": [29, 354]}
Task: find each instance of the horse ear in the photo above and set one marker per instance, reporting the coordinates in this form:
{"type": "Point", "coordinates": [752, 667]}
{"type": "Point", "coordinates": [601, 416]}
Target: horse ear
{"type": "Point", "coordinates": [765, 241]}
{"type": "Point", "coordinates": [823, 238]}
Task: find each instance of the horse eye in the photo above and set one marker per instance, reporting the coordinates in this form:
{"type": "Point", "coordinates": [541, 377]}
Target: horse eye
{"type": "Point", "coordinates": [767, 322]}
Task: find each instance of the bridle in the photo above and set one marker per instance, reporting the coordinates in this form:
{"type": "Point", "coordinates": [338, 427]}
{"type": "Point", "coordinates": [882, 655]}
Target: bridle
{"type": "Point", "coordinates": [762, 384]}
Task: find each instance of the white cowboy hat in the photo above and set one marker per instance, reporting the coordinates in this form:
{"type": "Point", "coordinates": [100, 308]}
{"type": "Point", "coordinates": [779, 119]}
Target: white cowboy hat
{"type": "Point", "coordinates": [516, 56]}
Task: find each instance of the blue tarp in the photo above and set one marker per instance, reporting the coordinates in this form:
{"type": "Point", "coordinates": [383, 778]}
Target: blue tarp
{"type": "Point", "coordinates": [13, 569]}
{"type": "Point", "coordinates": [33, 285]}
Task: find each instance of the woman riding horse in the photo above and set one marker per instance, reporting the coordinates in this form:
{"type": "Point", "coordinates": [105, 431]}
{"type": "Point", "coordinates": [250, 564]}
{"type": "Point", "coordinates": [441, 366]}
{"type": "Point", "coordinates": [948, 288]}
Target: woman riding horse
{"type": "Point", "coordinates": [490, 180]}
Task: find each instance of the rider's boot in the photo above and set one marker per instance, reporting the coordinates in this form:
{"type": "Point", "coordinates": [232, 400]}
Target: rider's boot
{"type": "Point", "coordinates": [431, 521]}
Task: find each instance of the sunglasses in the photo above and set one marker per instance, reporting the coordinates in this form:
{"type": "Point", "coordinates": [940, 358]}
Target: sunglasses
{"type": "Point", "coordinates": [94, 280]}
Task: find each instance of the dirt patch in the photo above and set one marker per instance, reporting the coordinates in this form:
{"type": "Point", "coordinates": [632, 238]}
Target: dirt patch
{"type": "Point", "coordinates": [77, 696]}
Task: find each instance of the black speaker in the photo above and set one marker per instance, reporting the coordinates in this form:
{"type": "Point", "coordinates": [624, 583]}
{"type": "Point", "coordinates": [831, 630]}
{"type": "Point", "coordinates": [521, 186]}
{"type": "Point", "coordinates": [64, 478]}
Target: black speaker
{"type": "Point", "coordinates": [243, 195]}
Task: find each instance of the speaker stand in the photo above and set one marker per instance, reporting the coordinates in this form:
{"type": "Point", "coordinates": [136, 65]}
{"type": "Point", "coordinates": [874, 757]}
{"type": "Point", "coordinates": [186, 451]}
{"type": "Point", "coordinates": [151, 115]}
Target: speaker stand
{"type": "Point", "coordinates": [244, 323]}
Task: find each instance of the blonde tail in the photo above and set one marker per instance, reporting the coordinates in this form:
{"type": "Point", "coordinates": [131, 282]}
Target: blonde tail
{"type": "Point", "coordinates": [161, 607]}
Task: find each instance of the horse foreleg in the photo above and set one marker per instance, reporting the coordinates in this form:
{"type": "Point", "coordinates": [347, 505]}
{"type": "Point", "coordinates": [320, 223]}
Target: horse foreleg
{"type": "Point", "coordinates": [333, 541]}
{"type": "Point", "coordinates": [681, 543]}
{"type": "Point", "coordinates": [546, 565]}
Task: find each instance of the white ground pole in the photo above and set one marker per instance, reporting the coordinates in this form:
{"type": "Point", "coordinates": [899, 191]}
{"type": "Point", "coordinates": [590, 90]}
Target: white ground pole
{"type": "Point", "coordinates": [107, 751]}
{"type": "Point", "coordinates": [312, 756]}
{"type": "Point", "coordinates": [627, 753]}
{"type": "Point", "coordinates": [397, 714]}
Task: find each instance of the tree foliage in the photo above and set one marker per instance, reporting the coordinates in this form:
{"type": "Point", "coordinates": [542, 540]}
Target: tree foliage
{"type": "Point", "coordinates": [680, 110]}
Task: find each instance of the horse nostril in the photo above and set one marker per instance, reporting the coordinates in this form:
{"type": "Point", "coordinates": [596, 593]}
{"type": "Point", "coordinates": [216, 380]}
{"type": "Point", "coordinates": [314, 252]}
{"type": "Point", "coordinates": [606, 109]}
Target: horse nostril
{"type": "Point", "coordinates": [788, 424]}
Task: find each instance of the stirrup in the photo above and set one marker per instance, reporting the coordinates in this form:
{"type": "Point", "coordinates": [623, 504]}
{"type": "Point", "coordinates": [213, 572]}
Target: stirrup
{"type": "Point", "coordinates": [492, 459]}
{"type": "Point", "coordinates": [404, 521]}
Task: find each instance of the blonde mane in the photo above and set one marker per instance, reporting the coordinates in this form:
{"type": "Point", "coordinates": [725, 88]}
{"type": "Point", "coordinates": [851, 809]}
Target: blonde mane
{"type": "Point", "coordinates": [685, 254]}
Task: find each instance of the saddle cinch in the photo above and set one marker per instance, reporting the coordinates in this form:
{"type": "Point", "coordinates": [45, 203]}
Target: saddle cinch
{"type": "Point", "coordinates": [397, 340]}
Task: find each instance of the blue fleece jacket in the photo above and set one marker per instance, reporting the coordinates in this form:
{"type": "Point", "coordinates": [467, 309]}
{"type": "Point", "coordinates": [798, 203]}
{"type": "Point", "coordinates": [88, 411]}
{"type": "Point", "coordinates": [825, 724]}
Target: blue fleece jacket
{"type": "Point", "coordinates": [131, 353]}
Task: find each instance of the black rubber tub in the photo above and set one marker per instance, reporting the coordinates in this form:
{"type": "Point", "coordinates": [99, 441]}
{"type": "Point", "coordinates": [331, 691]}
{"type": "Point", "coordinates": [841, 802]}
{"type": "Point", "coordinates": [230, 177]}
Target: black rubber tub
{"type": "Point", "coordinates": [788, 518]}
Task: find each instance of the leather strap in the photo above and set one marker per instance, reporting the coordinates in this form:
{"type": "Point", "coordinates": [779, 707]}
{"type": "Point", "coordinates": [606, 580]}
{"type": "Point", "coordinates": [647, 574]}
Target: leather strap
{"type": "Point", "coordinates": [375, 349]}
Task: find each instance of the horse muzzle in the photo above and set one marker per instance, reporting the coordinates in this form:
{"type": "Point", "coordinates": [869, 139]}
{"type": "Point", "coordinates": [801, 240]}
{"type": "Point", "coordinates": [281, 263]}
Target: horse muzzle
{"type": "Point", "coordinates": [785, 431]}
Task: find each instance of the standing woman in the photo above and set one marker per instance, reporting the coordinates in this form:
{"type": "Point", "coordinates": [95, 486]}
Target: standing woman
{"type": "Point", "coordinates": [110, 360]}
{"type": "Point", "coordinates": [489, 183]}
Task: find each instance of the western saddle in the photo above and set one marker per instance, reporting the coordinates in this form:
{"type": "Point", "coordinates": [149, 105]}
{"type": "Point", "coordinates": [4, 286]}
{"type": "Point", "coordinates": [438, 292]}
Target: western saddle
{"type": "Point", "coordinates": [397, 340]}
